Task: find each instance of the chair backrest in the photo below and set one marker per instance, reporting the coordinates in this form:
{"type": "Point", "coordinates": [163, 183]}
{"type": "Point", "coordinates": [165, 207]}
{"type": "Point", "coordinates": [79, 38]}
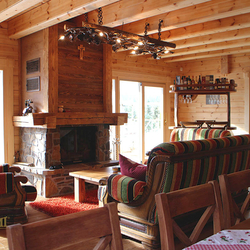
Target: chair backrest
{"type": "Point", "coordinates": [172, 204]}
{"type": "Point", "coordinates": [69, 231]}
{"type": "Point", "coordinates": [230, 184]}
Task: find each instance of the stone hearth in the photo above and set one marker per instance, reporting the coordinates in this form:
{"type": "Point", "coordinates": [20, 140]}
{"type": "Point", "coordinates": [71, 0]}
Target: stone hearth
{"type": "Point", "coordinates": [40, 149]}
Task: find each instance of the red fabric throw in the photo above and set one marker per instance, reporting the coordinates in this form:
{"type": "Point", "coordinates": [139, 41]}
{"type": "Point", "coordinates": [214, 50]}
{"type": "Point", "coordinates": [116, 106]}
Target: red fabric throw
{"type": "Point", "coordinates": [66, 204]}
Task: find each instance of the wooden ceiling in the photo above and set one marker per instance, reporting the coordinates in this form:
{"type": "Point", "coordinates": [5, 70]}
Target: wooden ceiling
{"type": "Point", "coordinates": [200, 28]}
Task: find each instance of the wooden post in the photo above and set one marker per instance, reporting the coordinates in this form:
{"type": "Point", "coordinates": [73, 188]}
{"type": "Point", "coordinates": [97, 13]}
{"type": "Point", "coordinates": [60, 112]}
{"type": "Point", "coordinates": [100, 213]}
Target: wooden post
{"type": "Point", "coordinates": [247, 102]}
{"type": "Point", "coordinates": [107, 78]}
{"type": "Point", "coordinates": [176, 96]}
{"type": "Point", "coordinates": [53, 69]}
{"type": "Point", "coordinates": [228, 110]}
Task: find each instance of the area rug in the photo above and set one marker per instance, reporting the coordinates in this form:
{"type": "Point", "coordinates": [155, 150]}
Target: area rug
{"type": "Point", "coordinates": [66, 204]}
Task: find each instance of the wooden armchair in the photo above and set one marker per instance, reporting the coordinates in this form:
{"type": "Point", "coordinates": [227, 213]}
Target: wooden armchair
{"type": "Point", "coordinates": [13, 195]}
{"type": "Point", "coordinates": [230, 184]}
{"type": "Point", "coordinates": [170, 205]}
{"type": "Point", "coordinates": [69, 231]}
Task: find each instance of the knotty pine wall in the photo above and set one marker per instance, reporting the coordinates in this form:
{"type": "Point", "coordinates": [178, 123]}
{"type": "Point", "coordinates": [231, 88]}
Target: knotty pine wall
{"type": "Point", "coordinates": [80, 82]}
{"type": "Point", "coordinates": [238, 68]}
{"type": "Point", "coordinates": [9, 62]}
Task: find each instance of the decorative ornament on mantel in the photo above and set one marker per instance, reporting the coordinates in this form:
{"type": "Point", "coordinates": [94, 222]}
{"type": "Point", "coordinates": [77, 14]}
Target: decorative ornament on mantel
{"type": "Point", "coordinates": [120, 40]}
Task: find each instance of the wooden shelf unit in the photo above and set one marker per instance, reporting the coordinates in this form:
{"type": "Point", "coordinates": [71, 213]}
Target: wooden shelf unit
{"type": "Point", "coordinates": [203, 89]}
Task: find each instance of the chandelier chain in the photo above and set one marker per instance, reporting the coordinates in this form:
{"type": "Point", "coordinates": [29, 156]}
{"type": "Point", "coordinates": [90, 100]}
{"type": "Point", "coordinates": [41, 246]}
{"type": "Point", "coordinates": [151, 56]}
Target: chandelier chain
{"type": "Point", "coordinates": [100, 17]}
{"type": "Point", "coordinates": [146, 29]}
{"type": "Point", "coordinates": [159, 29]}
{"type": "Point", "coordinates": [86, 17]}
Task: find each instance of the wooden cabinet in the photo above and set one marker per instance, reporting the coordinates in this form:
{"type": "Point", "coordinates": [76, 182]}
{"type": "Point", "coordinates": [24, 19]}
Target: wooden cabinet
{"type": "Point", "coordinates": [203, 89]}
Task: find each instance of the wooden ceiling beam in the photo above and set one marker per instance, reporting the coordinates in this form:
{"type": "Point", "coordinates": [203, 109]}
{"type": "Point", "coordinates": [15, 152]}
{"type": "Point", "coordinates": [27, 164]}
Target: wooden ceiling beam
{"type": "Point", "coordinates": [209, 47]}
{"type": "Point", "coordinates": [51, 13]}
{"type": "Point", "coordinates": [202, 29]}
{"type": "Point", "coordinates": [213, 38]}
{"type": "Point", "coordinates": [196, 14]}
{"type": "Point", "coordinates": [240, 50]}
{"type": "Point", "coordinates": [127, 11]}
{"type": "Point", "coordinates": [9, 8]}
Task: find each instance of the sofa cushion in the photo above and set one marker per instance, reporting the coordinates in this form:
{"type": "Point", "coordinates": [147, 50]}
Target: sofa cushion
{"type": "Point", "coordinates": [125, 189]}
{"type": "Point", "coordinates": [186, 134]}
{"type": "Point", "coordinates": [6, 182]}
{"type": "Point", "coordinates": [132, 169]}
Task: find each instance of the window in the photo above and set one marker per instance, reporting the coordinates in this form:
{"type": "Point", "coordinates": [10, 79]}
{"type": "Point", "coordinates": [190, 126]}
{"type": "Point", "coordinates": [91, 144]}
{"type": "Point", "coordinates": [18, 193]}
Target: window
{"type": "Point", "coordinates": [144, 129]}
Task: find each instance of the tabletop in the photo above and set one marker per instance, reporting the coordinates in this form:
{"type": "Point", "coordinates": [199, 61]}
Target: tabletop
{"type": "Point", "coordinates": [225, 240]}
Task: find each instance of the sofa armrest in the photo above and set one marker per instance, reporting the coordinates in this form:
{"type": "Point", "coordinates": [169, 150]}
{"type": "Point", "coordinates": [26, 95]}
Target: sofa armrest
{"type": "Point", "coordinates": [125, 189]}
{"type": "Point", "coordinates": [20, 178]}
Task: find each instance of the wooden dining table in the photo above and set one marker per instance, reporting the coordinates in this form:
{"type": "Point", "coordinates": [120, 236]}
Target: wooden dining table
{"type": "Point", "coordinates": [234, 238]}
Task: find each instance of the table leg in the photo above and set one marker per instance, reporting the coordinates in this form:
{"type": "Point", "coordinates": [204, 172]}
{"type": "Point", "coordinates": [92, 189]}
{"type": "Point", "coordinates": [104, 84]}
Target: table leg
{"type": "Point", "coordinates": [79, 186]}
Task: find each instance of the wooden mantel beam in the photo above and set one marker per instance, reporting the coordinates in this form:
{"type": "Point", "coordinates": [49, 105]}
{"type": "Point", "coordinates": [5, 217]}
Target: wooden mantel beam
{"type": "Point", "coordinates": [51, 13]}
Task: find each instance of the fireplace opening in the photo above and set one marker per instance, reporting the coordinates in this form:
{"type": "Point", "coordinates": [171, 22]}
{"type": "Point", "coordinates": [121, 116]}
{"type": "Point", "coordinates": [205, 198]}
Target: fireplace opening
{"type": "Point", "coordinates": [78, 144]}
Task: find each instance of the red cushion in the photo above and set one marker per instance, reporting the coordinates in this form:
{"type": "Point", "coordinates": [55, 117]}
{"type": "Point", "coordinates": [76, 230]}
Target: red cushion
{"type": "Point", "coordinates": [132, 169]}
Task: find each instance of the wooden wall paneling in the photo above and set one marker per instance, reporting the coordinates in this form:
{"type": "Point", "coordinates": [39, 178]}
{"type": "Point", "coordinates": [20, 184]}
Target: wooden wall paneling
{"type": "Point", "coordinates": [53, 69]}
{"type": "Point", "coordinates": [32, 48]}
{"type": "Point", "coordinates": [247, 102]}
{"type": "Point", "coordinates": [237, 64]}
{"type": "Point", "coordinates": [167, 109]}
{"type": "Point", "coordinates": [224, 65]}
{"type": "Point", "coordinates": [80, 82]}
{"type": "Point", "coordinates": [107, 78]}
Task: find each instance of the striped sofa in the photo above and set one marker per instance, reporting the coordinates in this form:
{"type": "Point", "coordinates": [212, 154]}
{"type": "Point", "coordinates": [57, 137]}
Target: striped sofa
{"type": "Point", "coordinates": [187, 134]}
{"type": "Point", "coordinates": [13, 196]}
{"type": "Point", "coordinates": [173, 166]}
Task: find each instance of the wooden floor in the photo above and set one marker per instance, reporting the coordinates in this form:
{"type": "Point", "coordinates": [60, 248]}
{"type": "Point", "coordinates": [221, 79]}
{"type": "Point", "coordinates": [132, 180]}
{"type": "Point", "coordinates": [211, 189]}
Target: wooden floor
{"type": "Point", "coordinates": [34, 215]}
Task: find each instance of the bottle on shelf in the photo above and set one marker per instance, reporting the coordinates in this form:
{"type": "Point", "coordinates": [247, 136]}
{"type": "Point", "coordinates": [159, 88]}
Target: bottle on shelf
{"type": "Point", "coordinates": [182, 83]}
{"type": "Point", "coordinates": [199, 82]}
{"type": "Point", "coordinates": [185, 82]}
{"type": "Point", "coordinates": [189, 82]}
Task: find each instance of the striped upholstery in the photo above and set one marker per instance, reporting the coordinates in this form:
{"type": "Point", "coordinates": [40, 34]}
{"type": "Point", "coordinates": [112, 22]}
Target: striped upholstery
{"type": "Point", "coordinates": [6, 183]}
{"type": "Point", "coordinates": [4, 168]}
{"type": "Point", "coordinates": [187, 134]}
{"type": "Point", "coordinates": [31, 192]}
{"type": "Point", "coordinates": [125, 189]}
{"type": "Point", "coordinates": [200, 170]}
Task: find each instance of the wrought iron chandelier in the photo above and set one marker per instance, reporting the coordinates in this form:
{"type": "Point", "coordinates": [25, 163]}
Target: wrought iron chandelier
{"type": "Point", "coordinates": [120, 40]}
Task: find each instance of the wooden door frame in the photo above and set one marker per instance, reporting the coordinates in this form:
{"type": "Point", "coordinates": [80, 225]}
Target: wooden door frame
{"type": "Point", "coordinates": [165, 113]}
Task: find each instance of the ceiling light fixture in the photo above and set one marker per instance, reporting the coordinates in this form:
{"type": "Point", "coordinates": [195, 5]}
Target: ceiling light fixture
{"type": "Point", "coordinates": [120, 40]}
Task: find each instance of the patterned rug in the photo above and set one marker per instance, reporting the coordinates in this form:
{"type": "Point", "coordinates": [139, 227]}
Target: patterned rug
{"type": "Point", "coordinates": [66, 204]}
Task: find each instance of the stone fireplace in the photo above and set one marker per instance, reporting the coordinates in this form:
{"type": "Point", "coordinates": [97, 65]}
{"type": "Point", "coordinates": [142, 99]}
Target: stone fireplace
{"type": "Point", "coordinates": [74, 93]}
{"type": "Point", "coordinates": [76, 147]}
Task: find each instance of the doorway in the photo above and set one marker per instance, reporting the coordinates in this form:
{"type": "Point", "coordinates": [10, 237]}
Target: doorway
{"type": "Point", "coordinates": [144, 103]}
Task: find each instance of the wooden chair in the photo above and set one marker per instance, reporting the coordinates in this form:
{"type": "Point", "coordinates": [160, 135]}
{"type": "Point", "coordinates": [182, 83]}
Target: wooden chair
{"type": "Point", "coordinates": [69, 231]}
{"type": "Point", "coordinates": [172, 204]}
{"type": "Point", "coordinates": [230, 184]}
